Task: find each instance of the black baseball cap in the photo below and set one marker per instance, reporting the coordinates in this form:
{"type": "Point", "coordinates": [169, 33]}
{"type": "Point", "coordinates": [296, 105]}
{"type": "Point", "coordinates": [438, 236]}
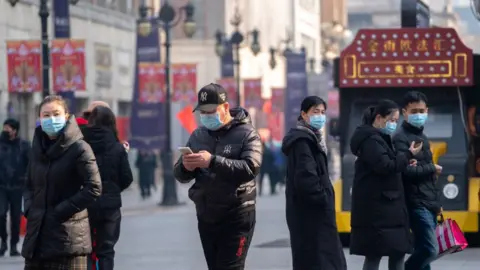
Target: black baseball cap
{"type": "Point", "coordinates": [210, 96]}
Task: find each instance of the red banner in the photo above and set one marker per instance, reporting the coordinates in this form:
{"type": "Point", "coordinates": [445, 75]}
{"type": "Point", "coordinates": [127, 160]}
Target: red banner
{"type": "Point", "coordinates": [278, 100]}
{"type": "Point", "coordinates": [230, 86]}
{"type": "Point", "coordinates": [333, 104]}
{"type": "Point", "coordinates": [406, 57]}
{"type": "Point", "coordinates": [24, 66]}
{"type": "Point", "coordinates": [123, 128]}
{"type": "Point", "coordinates": [253, 93]}
{"type": "Point", "coordinates": [276, 125]}
{"type": "Point", "coordinates": [184, 83]}
{"type": "Point", "coordinates": [68, 65]}
{"type": "Point", "coordinates": [151, 82]}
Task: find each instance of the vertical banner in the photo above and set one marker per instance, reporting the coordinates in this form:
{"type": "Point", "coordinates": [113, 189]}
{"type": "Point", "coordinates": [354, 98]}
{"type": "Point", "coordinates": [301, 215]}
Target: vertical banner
{"type": "Point", "coordinates": [61, 29]}
{"type": "Point", "coordinates": [226, 61]}
{"type": "Point", "coordinates": [103, 66]}
{"type": "Point", "coordinates": [278, 100]}
{"type": "Point", "coordinates": [184, 83]}
{"type": "Point", "coordinates": [333, 104]}
{"type": "Point", "coordinates": [151, 82]}
{"type": "Point", "coordinates": [230, 86]}
{"type": "Point", "coordinates": [147, 123]}
{"type": "Point", "coordinates": [252, 90]}
{"type": "Point", "coordinates": [68, 65]}
{"type": "Point", "coordinates": [24, 66]}
{"type": "Point", "coordinates": [297, 87]}
{"type": "Point", "coordinates": [276, 126]}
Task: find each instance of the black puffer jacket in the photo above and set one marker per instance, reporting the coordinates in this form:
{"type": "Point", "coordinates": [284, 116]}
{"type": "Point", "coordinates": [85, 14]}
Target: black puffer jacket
{"type": "Point", "coordinates": [63, 180]}
{"type": "Point", "coordinates": [379, 220]}
{"type": "Point", "coordinates": [420, 181]}
{"type": "Point", "coordinates": [14, 156]}
{"type": "Point", "coordinates": [228, 186]}
{"type": "Point", "coordinates": [112, 161]}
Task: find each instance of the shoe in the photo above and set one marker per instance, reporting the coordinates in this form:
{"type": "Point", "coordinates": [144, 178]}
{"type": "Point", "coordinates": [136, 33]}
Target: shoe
{"type": "Point", "coordinates": [3, 249]}
{"type": "Point", "coordinates": [14, 252]}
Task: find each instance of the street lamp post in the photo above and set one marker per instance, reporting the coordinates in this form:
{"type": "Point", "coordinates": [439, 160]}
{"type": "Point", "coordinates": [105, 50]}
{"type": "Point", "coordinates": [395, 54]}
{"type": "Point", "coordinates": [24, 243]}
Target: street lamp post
{"type": "Point", "coordinates": [236, 40]}
{"type": "Point", "coordinates": [169, 18]}
{"type": "Point", "coordinates": [273, 51]}
{"type": "Point", "coordinates": [44, 14]}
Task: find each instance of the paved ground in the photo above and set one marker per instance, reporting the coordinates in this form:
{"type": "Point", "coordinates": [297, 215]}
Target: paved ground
{"type": "Point", "coordinates": [154, 238]}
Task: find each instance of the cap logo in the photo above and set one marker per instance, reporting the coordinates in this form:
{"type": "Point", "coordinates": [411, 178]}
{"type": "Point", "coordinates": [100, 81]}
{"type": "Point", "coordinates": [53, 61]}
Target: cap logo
{"type": "Point", "coordinates": [203, 96]}
{"type": "Point", "coordinates": [222, 96]}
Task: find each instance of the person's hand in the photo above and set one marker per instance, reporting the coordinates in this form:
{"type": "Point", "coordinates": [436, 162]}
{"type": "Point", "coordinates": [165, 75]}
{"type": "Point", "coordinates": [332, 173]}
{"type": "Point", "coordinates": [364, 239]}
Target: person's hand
{"type": "Point", "coordinates": [472, 129]}
{"type": "Point", "coordinates": [126, 145]}
{"type": "Point", "coordinates": [189, 161]}
{"type": "Point", "coordinates": [204, 159]}
{"type": "Point", "coordinates": [413, 162]}
{"type": "Point", "coordinates": [438, 169]}
{"type": "Point", "coordinates": [415, 149]}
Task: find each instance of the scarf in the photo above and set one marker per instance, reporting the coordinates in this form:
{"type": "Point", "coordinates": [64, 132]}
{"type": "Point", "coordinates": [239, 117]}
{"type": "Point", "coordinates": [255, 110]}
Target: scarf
{"type": "Point", "coordinates": [302, 125]}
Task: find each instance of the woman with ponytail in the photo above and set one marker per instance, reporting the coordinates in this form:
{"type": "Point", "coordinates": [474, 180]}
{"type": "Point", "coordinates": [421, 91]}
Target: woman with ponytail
{"type": "Point", "coordinates": [379, 216]}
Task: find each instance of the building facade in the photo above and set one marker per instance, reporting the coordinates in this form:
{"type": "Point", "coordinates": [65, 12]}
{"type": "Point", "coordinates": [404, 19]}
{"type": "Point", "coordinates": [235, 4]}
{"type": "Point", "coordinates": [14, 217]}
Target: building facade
{"type": "Point", "coordinates": [110, 41]}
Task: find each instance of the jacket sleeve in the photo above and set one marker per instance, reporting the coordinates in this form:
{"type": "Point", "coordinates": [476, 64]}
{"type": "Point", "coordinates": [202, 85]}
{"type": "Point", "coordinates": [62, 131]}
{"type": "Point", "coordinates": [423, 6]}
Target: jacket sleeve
{"type": "Point", "coordinates": [244, 169]}
{"type": "Point", "coordinates": [179, 171]}
{"type": "Point", "coordinates": [125, 174]}
{"type": "Point", "coordinates": [86, 167]}
{"type": "Point", "coordinates": [376, 156]}
{"type": "Point", "coordinates": [305, 177]}
{"type": "Point", "coordinates": [402, 146]}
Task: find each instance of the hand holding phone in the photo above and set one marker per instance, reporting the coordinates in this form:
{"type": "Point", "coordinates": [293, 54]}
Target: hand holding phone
{"type": "Point", "coordinates": [185, 150]}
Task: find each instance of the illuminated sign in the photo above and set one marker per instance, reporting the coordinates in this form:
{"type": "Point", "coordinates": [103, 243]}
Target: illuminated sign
{"type": "Point", "coordinates": [406, 57]}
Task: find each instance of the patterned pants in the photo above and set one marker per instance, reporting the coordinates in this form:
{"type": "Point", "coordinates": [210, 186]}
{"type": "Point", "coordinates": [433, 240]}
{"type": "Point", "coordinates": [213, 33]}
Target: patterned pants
{"type": "Point", "coordinates": [65, 263]}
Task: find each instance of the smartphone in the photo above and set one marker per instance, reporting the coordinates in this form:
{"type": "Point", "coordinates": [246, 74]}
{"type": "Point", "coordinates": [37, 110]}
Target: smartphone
{"type": "Point", "coordinates": [417, 143]}
{"type": "Point", "coordinates": [185, 150]}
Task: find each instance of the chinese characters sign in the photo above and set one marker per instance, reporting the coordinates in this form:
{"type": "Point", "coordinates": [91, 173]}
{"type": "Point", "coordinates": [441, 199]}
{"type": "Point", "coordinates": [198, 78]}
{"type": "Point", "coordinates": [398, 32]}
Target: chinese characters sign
{"type": "Point", "coordinates": [406, 57]}
{"type": "Point", "coordinates": [68, 65]}
{"type": "Point", "coordinates": [24, 66]}
{"type": "Point", "coordinates": [253, 93]}
{"type": "Point", "coordinates": [184, 83]}
{"type": "Point", "coordinates": [151, 82]}
{"type": "Point", "coordinates": [230, 86]}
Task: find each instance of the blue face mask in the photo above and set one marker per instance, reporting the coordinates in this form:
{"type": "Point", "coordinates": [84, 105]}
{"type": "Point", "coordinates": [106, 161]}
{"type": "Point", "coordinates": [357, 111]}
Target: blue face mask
{"type": "Point", "coordinates": [53, 125]}
{"type": "Point", "coordinates": [417, 119]}
{"type": "Point", "coordinates": [317, 121]}
{"type": "Point", "coordinates": [211, 121]}
{"type": "Point", "coordinates": [390, 128]}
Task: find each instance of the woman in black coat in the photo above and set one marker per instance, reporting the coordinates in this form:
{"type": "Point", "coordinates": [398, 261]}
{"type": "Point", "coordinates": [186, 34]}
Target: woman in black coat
{"type": "Point", "coordinates": [63, 180]}
{"type": "Point", "coordinates": [112, 161]}
{"type": "Point", "coordinates": [310, 197]}
{"type": "Point", "coordinates": [379, 215]}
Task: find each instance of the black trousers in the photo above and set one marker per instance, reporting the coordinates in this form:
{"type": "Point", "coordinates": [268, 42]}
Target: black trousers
{"type": "Point", "coordinates": [226, 244]}
{"type": "Point", "coordinates": [63, 263]}
{"type": "Point", "coordinates": [105, 231]}
{"type": "Point", "coordinates": [10, 200]}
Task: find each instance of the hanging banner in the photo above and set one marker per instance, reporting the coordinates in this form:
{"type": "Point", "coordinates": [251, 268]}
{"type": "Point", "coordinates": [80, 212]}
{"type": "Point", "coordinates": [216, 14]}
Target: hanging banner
{"type": "Point", "coordinates": [278, 100]}
{"type": "Point", "coordinates": [275, 123]}
{"type": "Point", "coordinates": [297, 87]}
{"type": "Point", "coordinates": [147, 122]}
{"type": "Point", "coordinates": [68, 64]}
{"type": "Point", "coordinates": [61, 29]}
{"type": "Point", "coordinates": [184, 83]}
{"type": "Point", "coordinates": [24, 63]}
{"type": "Point", "coordinates": [151, 82]}
{"type": "Point", "coordinates": [226, 61]}
{"type": "Point", "coordinates": [333, 104]}
{"type": "Point", "coordinates": [230, 86]}
{"type": "Point", "coordinates": [252, 90]}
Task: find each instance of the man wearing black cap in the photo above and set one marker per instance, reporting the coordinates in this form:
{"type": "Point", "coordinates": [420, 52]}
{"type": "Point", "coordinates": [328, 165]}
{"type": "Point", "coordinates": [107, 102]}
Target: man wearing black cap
{"type": "Point", "coordinates": [13, 170]}
{"type": "Point", "coordinates": [226, 158]}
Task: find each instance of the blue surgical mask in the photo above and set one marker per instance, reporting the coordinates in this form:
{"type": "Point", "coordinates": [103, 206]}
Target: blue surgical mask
{"type": "Point", "coordinates": [317, 121]}
{"type": "Point", "coordinates": [53, 125]}
{"type": "Point", "coordinates": [390, 128]}
{"type": "Point", "coordinates": [211, 121]}
{"type": "Point", "coordinates": [417, 119]}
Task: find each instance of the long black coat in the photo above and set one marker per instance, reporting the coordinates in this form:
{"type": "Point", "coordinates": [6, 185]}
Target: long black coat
{"type": "Point", "coordinates": [379, 214]}
{"type": "Point", "coordinates": [310, 206]}
{"type": "Point", "coordinates": [63, 180]}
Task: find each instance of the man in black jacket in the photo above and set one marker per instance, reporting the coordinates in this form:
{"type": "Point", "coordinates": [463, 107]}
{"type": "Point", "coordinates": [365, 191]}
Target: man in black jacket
{"type": "Point", "coordinates": [420, 182]}
{"type": "Point", "coordinates": [13, 170]}
{"type": "Point", "coordinates": [226, 158]}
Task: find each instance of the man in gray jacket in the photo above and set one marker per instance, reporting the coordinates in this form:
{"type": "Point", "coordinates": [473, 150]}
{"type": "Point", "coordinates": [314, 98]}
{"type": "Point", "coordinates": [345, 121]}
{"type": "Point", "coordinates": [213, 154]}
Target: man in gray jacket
{"type": "Point", "coordinates": [226, 158]}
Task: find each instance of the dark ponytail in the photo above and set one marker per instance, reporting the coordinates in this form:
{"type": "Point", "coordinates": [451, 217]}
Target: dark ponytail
{"type": "Point", "coordinates": [383, 108]}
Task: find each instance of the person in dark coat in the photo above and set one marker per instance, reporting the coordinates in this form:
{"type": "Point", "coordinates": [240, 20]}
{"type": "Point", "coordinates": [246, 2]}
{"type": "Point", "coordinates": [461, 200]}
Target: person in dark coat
{"type": "Point", "coordinates": [112, 160]}
{"type": "Point", "coordinates": [309, 192]}
{"type": "Point", "coordinates": [63, 180]}
{"type": "Point", "coordinates": [14, 154]}
{"type": "Point", "coordinates": [146, 163]}
{"type": "Point", "coordinates": [379, 215]}
{"type": "Point", "coordinates": [268, 168]}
